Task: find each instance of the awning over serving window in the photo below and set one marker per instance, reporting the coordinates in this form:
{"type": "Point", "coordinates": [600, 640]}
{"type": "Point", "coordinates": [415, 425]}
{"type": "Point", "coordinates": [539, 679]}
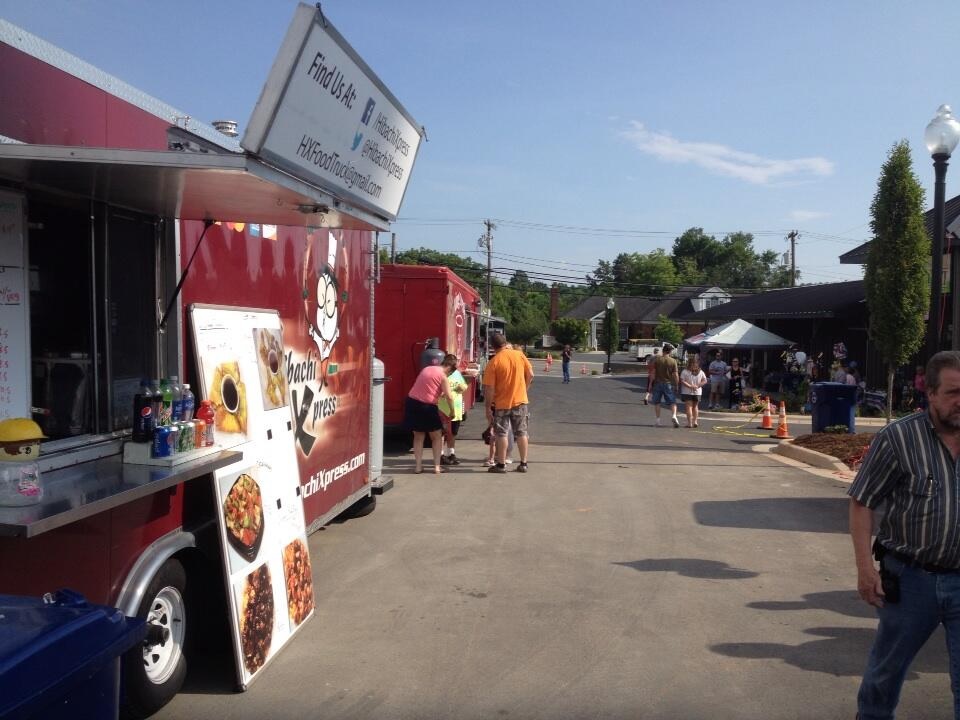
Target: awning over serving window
{"type": "Point", "coordinates": [190, 186]}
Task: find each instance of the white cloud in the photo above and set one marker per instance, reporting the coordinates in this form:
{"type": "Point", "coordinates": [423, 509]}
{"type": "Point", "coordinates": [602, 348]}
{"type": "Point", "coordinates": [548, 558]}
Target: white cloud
{"type": "Point", "coordinates": [724, 160]}
{"type": "Point", "coordinates": [806, 215]}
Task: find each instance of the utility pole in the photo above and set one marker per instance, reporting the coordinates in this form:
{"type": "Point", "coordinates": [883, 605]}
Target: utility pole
{"type": "Point", "coordinates": [792, 237]}
{"type": "Point", "coordinates": [486, 240]}
{"type": "Point", "coordinates": [393, 248]}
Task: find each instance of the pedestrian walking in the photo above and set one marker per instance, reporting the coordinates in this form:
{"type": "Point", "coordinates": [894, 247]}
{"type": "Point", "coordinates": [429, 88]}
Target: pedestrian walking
{"type": "Point", "coordinates": [911, 468]}
{"type": "Point", "coordinates": [505, 382]}
{"type": "Point", "coordinates": [692, 380]}
{"type": "Point", "coordinates": [421, 415]}
{"type": "Point", "coordinates": [451, 415]}
{"type": "Point", "coordinates": [718, 374]}
{"type": "Point", "coordinates": [566, 355]}
{"type": "Point", "coordinates": [665, 382]}
{"type": "Point", "coordinates": [650, 362]}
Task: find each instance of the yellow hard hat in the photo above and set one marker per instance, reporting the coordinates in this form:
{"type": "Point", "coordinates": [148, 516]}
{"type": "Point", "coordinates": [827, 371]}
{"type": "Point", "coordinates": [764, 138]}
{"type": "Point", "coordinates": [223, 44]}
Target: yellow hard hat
{"type": "Point", "coordinates": [19, 430]}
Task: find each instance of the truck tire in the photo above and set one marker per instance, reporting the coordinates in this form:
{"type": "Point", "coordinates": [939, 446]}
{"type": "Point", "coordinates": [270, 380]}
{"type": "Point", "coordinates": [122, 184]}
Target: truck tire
{"type": "Point", "coordinates": [362, 507]}
{"type": "Point", "coordinates": [154, 671]}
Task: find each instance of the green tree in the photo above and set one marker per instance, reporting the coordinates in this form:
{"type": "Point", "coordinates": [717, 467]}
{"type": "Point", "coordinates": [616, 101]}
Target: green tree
{"type": "Point", "coordinates": [897, 276]}
{"type": "Point", "coordinates": [652, 274]}
{"type": "Point", "coordinates": [470, 270]}
{"type": "Point", "coordinates": [694, 254]}
{"type": "Point", "coordinates": [611, 331]}
{"type": "Point", "coordinates": [570, 331]}
{"type": "Point", "coordinates": [668, 330]}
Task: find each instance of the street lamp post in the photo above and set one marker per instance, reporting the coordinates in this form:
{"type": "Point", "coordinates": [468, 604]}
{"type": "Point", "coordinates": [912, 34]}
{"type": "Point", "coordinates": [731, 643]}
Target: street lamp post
{"type": "Point", "coordinates": [608, 339]}
{"type": "Point", "coordinates": [941, 138]}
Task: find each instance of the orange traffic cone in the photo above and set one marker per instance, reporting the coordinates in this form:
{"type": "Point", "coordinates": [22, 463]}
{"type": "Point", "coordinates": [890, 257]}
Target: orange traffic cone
{"type": "Point", "coordinates": [782, 432]}
{"type": "Point", "coordinates": [583, 368]}
{"type": "Point", "coordinates": [767, 421]}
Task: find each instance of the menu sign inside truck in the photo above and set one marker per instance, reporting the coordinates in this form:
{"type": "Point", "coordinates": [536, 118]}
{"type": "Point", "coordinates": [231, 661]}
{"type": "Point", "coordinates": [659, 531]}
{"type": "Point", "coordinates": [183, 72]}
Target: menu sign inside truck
{"type": "Point", "coordinates": [323, 115]}
{"type": "Point", "coordinates": [14, 341]}
{"type": "Point", "coordinates": [266, 562]}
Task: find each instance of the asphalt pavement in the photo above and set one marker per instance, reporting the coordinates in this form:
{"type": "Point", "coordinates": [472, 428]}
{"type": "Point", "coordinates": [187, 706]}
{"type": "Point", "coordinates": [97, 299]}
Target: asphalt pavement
{"type": "Point", "coordinates": [634, 572]}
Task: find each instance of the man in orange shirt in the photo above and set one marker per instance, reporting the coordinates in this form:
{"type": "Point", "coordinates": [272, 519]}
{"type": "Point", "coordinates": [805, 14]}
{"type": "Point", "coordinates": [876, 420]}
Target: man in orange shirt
{"type": "Point", "coordinates": [505, 382]}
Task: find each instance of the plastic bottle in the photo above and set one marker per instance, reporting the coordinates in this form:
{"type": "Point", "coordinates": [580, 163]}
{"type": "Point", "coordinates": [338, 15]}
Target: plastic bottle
{"type": "Point", "coordinates": [143, 417]}
{"type": "Point", "coordinates": [188, 401]}
{"type": "Point", "coordinates": [166, 411]}
{"type": "Point", "coordinates": [157, 402]}
{"type": "Point", "coordinates": [177, 407]}
{"type": "Point", "coordinates": [206, 414]}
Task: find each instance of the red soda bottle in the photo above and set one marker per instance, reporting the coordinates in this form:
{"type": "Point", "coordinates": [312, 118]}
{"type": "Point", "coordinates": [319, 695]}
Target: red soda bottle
{"type": "Point", "coordinates": [206, 413]}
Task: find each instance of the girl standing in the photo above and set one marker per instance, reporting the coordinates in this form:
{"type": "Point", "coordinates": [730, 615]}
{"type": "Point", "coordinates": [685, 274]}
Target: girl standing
{"type": "Point", "coordinates": [692, 380]}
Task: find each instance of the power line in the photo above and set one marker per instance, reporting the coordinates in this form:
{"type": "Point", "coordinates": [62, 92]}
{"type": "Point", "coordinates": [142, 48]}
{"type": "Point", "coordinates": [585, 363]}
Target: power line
{"type": "Point", "coordinates": [617, 232]}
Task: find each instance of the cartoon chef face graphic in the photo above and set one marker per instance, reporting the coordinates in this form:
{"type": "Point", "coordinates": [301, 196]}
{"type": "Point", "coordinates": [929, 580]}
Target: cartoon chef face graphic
{"type": "Point", "coordinates": [323, 308]}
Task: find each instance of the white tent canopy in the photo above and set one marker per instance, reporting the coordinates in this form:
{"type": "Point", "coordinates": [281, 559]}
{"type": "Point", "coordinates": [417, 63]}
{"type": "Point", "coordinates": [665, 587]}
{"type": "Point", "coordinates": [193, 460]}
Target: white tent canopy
{"type": "Point", "coordinates": [737, 334]}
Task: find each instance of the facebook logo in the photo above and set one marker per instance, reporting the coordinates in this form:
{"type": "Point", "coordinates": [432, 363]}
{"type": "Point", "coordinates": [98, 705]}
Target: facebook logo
{"type": "Point", "coordinates": [368, 112]}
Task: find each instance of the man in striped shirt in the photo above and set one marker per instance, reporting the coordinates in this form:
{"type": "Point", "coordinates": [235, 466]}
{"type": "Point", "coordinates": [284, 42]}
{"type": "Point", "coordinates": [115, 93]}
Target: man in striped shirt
{"type": "Point", "coordinates": [913, 467]}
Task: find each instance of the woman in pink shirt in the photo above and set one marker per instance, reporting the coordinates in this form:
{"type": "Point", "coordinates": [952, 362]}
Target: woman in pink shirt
{"type": "Point", "coordinates": [420, 414]}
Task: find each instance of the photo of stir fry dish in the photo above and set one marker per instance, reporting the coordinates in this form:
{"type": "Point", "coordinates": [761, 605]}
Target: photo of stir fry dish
{"type": "Point", "coordinates": [243, 516]}
{"type": "Point", "coordinates": [296, 569]}
{"type": "Point", "coordinates": [256, 618]}
{"type": "Point", "coordinates": [229, 397]}
{"type": "Point", "coordinates": [273, 379]}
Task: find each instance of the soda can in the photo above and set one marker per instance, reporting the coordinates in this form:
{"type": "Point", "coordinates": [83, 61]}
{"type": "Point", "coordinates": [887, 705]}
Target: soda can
{"type": "Point", "coordinates": [183, 436]}
{"type": "Point", "coordinates": [200, 439]}
{"type": "Point", "coordinates": [191, 429]}
{"type": "Point", "coordinates": [162, 445]}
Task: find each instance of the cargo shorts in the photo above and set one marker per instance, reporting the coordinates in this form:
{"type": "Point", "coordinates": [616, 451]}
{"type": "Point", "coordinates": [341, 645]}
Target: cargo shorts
{"type": "Point", "coordinates": [516, 417]}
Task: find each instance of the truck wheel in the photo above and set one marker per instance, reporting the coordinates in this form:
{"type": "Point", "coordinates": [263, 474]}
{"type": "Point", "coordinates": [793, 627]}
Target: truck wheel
{"type": "Point", "coordinates": [362, 507]}
{"type": "Point", "coordinates": [154, 671]}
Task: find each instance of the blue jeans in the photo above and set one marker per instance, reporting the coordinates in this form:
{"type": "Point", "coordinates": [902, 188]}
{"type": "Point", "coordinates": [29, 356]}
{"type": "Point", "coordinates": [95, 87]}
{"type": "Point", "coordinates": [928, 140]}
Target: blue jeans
{"type": "Point", "coordinates": [662, 394]}
{"type": "Point", "coordinates": [926, 600]}
{"type": "Point", "coordinates": [566, 372]}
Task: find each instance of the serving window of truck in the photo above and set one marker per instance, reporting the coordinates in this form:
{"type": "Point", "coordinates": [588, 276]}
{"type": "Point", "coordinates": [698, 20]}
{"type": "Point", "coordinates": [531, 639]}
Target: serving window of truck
{"type": "Point", "coordinates": [149, 264]}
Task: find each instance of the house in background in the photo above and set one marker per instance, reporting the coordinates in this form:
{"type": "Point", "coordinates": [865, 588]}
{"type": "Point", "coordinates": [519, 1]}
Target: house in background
{"type": "Point", "coordinates": [639, 316]}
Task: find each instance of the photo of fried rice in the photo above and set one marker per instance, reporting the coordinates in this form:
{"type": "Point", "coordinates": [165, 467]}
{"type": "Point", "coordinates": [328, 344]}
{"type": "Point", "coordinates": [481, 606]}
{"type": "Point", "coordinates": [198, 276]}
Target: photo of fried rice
{"type": "Point", "coordinates": [299, 581]}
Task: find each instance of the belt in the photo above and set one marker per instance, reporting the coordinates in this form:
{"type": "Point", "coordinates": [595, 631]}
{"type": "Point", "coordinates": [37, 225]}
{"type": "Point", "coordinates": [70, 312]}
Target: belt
{"type": "Point", "coordinates": [926, 567]}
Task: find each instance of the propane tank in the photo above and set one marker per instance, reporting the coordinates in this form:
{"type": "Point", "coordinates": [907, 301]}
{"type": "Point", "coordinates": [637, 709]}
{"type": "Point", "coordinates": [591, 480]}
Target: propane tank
{"type": "Point", "coordinates": [432, 354]}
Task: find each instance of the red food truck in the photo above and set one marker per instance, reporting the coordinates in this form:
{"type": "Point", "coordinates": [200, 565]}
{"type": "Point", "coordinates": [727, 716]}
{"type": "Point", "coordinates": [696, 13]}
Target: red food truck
{"type": "Point", "coordinates": [138, 243]}
{"type": "Point", "coordinates": [416, 304]}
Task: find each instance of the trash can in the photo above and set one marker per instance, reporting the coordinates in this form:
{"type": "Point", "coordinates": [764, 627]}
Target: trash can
{"type": "Point", "coordinates": [832, 404]}
{"type": "Point", "coordinates": [60, 656]}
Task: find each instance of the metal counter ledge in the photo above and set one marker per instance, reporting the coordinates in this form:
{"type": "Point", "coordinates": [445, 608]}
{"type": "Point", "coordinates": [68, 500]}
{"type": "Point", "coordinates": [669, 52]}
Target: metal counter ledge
{"type": "Point", "coordinates": [80, 491]}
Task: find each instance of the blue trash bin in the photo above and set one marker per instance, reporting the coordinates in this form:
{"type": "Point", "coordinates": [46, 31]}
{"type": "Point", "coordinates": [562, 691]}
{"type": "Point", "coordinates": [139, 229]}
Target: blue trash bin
{"type": "Point", "coordinates": [60, 657]}
{"type": "Point", "coordinates": [832, 404]}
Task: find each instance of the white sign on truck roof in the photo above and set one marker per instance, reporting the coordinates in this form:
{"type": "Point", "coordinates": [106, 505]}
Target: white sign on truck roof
{"type": "Point", "coordinates": [324, 115]}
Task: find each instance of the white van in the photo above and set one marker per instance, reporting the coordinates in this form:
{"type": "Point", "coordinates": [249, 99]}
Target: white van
{"type": "Point", "coordinates": [645, 348]}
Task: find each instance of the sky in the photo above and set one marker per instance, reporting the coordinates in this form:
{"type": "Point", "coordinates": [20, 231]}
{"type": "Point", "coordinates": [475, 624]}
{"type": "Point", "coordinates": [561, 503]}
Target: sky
{"type": "Point", "coordinates": [584, 130]}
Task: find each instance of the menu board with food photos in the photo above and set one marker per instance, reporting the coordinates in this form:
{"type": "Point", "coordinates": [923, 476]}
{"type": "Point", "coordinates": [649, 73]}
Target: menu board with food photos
{"type": "Point", "coordinates": [239, 354]}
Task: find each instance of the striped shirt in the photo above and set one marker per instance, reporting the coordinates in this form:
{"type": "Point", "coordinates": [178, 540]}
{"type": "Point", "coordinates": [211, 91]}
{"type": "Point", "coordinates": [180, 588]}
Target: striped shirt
{"type": "Point", "coordinates": [910, 468]}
